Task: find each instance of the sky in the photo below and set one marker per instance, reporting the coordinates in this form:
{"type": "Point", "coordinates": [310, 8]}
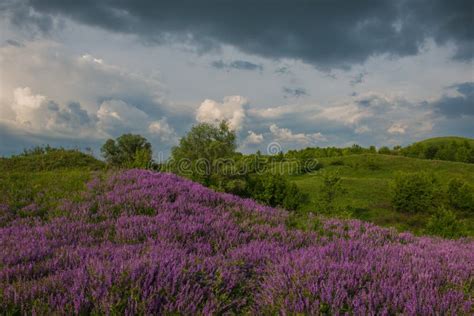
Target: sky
{"type": "Point", "coordinates": [291, 74]}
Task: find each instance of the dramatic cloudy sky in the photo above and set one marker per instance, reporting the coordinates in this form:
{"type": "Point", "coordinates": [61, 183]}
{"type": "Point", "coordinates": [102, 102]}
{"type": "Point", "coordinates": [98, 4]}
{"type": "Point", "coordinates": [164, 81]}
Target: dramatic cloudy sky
{"type": "Point", "coordinates": [300, 73]}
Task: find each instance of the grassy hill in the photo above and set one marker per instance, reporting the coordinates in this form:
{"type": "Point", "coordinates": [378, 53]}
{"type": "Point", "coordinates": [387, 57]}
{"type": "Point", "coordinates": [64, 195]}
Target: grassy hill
{"type": "Point", "coordinates": [442, 148]}
{"type": "Point", "coordinates": [367, 179]}
{"type": "Point", "coordinates": [41, 180]}
{"type": "Point", "coordinates": [50, 160]}
{"type": "Point", "coordinates": [446, 140]}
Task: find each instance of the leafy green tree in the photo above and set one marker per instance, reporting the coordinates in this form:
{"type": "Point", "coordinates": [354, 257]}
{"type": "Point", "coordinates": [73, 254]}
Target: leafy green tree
{"type": "Point", "coordinates": [207, 154]}
{"type": "Point", "coordinates": [200, 152]}
{"type": "Point", "coordinates": [128, 150]}
{"type": "Point", "coordinates": [143, 158]}
{"type": "Point", "coordinates": [445, 224]}
{"type": "Point", "coordinates": [431, 151]}
{"type": "Point", "coordinates": [460, 195]}
{"type": "Point", "coordinates": [330, 190]}
{"type": "Point", "coordinates": [414, 192]}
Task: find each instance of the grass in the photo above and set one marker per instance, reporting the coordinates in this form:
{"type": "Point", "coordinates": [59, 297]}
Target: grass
{"type": "Point", "coordinates": [45, 189]}
{"type": "Point", "coordinates": [52, 160]}
{"type": "Point", "coordinates": [36, 184]}
{"type": "Point", "coordinates": [367, 179]}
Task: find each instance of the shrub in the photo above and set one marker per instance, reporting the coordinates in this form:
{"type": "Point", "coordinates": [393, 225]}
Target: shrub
{"type": "Point", "coordinates": [460, 195]}
{"type": "Point", "coordinates": [413, 192]}
{"type": "Point", "coordinates": [445, 224]}
{"type": "Point", "coordinates": [331, 188]}
{"type": "Point", "coordinates": [275, 190]}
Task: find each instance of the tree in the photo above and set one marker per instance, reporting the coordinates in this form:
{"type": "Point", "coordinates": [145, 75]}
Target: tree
{"type": "Point", "coordinates": [330, 190]}
{"type": "Point", "coordinates": [202, 149]}
{"type": "Point", "coordinates": [128, 150]}
{"type": "Point", "coordinates": [275, 190]}
{"type": "Point", "coordinates": [384, 150]}
{"type": "Point", "coordinates": [460, 195]}
{"type": "Point", "coordinates": [445, 224]}
{"type": "Point", "coordinates": [414, 192]}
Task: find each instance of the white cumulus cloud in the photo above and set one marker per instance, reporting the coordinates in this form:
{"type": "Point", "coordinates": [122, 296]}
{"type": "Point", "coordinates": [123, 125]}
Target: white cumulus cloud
{"type": "Point", "coordinates": [35, 113]}
{"type": "Point", "coordinates": [397, 128]}
{"type": "Point", "coordinates": [253, 138]}
{"type": "Point", "coordinates": [25, 104]}
{"type": "Point", "coordinates": [163, 130]}
{"type": "Point", "coordinates": [231, 109]}
{"type": "Point", "coordinates": [286, 135]}
{"type": "Point", "coordinates": [117, 115]}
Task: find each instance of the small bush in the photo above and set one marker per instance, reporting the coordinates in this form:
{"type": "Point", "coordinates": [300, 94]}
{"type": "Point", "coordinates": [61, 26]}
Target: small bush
{"type": "Point", "coordinates": [460, 195]}
{"type": "Point", "coordinates": [330, 190]}
{"type": "Point", "coordinates": [444, 223]}
{"type": "Point", "coordinates": [275, 190]}
{"type": "Point", "coordinates": [308, 165]}
{"type": "Point", "coordinates": [414, 192]}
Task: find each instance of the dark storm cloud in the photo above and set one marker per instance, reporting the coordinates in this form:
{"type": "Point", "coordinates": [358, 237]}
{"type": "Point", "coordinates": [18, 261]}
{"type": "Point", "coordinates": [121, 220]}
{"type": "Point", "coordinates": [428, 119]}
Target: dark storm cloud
{"type": "Point", "coordinates": [20, 14]}
{"type": "Point", "coordinates": [326, 34]}
{"type": "Point", "coordinates": [457, 106]}
{"type": "Point", "coordinates": [73, 116]}
{"type": "Point", "coordinates": [236, 64]}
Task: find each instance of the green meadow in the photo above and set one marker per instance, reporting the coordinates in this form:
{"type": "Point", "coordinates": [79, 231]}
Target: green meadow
{"type": "Point", "coordinates": [367, 180]}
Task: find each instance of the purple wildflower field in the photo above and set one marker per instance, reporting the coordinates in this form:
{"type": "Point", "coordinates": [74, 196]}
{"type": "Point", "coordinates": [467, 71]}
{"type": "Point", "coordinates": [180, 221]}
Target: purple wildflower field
{"type": "Point", "coordinates": [153, 243]}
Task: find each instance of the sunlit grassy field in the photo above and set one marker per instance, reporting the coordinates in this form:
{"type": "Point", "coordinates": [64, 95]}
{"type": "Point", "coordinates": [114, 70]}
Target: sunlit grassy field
{"type": "Point", "coordinates": [367, 180]}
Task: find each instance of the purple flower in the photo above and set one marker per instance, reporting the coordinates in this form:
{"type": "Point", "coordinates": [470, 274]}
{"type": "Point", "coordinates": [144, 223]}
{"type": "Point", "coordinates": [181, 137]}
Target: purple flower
{"type": "Point", "coordinates": [153, 243]}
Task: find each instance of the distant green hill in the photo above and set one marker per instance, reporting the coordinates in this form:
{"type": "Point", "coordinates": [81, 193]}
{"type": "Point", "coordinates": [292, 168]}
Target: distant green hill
{"type": "Point", "coordinates": [48, 160]}
{"type": "Point", "coordinates": [367, 179]}
{"type": "Point", "coordinates": [446, 140]}
{"type": "Point", "coordinates": [442, 148]}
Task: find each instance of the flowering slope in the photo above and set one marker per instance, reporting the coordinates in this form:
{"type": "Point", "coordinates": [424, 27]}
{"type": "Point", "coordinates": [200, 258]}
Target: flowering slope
{"type": "Point", "coordinates": [153, 243]}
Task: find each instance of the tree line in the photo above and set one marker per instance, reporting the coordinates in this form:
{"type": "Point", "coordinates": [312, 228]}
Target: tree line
{"type": "Point", "coordinates": [460, 151]}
